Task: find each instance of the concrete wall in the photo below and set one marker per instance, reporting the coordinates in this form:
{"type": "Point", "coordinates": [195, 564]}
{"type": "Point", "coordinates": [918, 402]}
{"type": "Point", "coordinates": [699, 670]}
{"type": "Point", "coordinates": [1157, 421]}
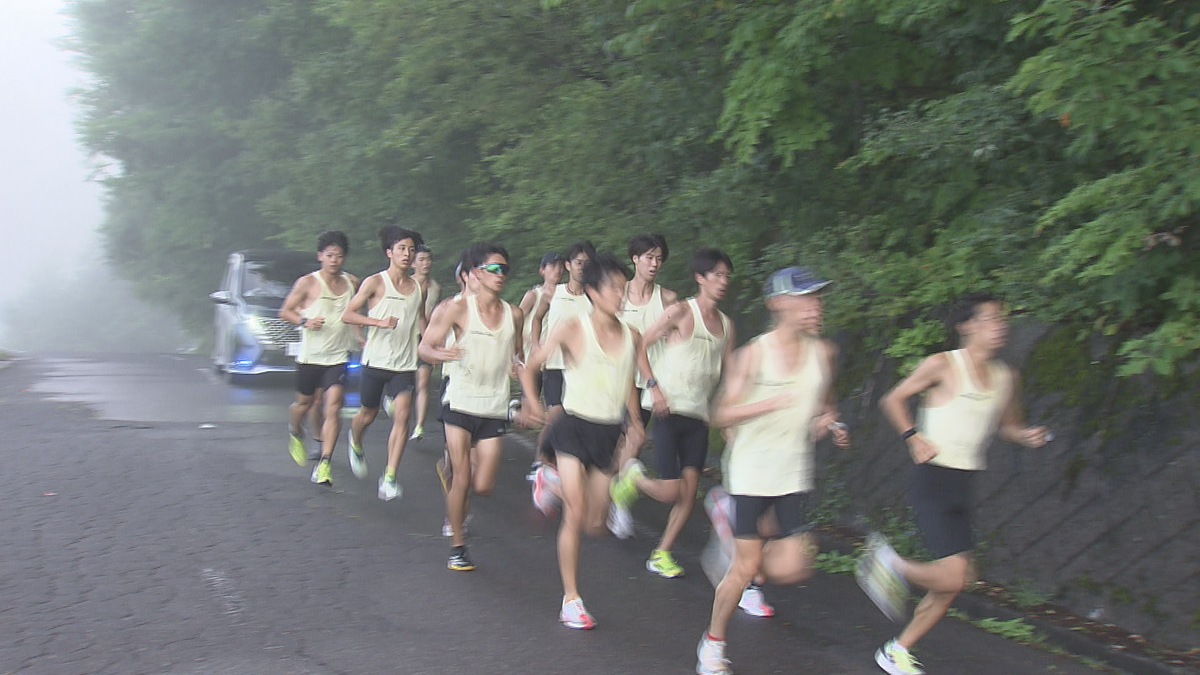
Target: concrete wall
{"type": "Point", "coordinates": [1105, 520]}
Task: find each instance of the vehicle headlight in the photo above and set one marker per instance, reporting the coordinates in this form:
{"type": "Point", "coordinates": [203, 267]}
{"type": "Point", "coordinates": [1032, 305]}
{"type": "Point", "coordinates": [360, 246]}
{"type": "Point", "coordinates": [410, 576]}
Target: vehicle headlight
{"type": "Point", "coordinates": [256, 325]}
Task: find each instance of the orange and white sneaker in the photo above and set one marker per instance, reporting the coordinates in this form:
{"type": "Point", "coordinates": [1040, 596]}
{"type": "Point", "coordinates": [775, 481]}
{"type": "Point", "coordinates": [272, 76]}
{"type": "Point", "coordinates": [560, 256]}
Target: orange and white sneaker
{"type": "Point", "coordinates": [574, 615]}
{"type": "Point", "coordinates": [753, 602]}
{"type": "Point", "coordinates": [545, 485]}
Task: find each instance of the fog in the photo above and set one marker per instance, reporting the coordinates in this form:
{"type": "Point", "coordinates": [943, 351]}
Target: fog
{"type": "Point", "coordinates": [49, 210]}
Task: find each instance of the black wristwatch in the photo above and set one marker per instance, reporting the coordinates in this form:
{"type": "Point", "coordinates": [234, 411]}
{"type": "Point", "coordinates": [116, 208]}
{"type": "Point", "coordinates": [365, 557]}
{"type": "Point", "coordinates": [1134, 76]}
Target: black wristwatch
{"type": "Point", "coordinates": [651, 383]}
{"type": "Point", "coordinates": [303, 320]}
{"type": "Point", "coordinates": [908, 434]}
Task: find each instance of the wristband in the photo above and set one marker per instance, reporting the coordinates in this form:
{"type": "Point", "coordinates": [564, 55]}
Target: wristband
{"type": "Point", "coordinates": [651, 383]}
{"type": "Point", "coordinates": [908, 434]}
{"type": "Point", "coordinates": [303, 320]}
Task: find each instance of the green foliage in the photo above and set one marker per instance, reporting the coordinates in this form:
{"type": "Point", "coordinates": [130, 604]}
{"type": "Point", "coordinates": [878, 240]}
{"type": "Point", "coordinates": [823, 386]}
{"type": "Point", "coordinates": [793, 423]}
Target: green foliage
{"type": "Point", "coordinates": [833, 562]}
{"type": "Point", "coordinates": [1017, 630]}
{"type": "Point", "coordinates": [911, 150]}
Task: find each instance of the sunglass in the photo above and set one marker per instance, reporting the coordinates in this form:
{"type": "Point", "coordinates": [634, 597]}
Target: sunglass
{"type": "Point", "coordinates": [494, 268]}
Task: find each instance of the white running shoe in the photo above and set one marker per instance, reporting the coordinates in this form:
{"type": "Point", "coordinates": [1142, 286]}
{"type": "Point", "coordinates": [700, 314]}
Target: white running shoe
{"type": "Point", "coordinates": [389, 489]}
{"type": "Point", "coordinates": [710, 658]}
{"type": "Point", "coordinates": [574, 615]}
{"type": "Point", "coordinates": [715, 560]}
{"type": "Point", "coordinates": [388, 406]}
{"type": "Point", "coordinates": [896, 660]}
{"type": "Point", "coordinates": [545, 483]}
{"type": "Point", "coordinates": [358, 460]}
{"type": "Point", "coordinates": [879, 581]}
{"type": "Point", "coordinates": [620, 522]}
{"type": "Point", "coordinates": [448, 531]}
{"type": "Point", "coordinates": [754, 603]}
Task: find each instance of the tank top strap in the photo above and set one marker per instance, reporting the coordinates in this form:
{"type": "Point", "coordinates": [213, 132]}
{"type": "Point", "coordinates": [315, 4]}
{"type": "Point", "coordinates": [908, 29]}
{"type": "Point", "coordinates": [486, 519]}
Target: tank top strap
{"type": "Point", "coordinates": [589, 335]}
{"type": "Point", "coordinates": [656, 296]}
{"type": "Point", "coordinates": [697, 318]}
{"type": "Point", "coordinates": [388, 286]}
{"type": "Point", "coordinates": [958, 358]}
{"type": "Point", "coordinates": [325, 290]}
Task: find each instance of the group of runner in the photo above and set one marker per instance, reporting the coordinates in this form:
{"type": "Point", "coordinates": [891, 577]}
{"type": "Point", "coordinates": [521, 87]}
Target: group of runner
{"type": "Point", "coordinates": [602, 356]}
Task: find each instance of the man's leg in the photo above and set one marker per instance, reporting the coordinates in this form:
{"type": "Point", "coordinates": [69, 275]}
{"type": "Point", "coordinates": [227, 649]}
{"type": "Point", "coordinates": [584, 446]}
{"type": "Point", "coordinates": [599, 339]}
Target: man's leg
{"type": "Point", "coordinates": [681, 508]}
{"type": "Point", "coordinates": [398, 438]}
{"type": "Point", "coordinates": [485, 464]}
{"type": "Point", "coordinates": [296, 412]}
{"type": "Point", "coordinates": [334, 396]}
{"type": "Point", "coordinates": [316, 416]}
{"type": "Point", "coordinates": [422, 398]}
{"type": "Point", "coordinates": [747, 558]}
{"type": "Point", "coordinates": [574, 495]}
{"type": "Point", "coordinates": [944, 579]}
{"type": "Point", "coordinates": [458, 447]}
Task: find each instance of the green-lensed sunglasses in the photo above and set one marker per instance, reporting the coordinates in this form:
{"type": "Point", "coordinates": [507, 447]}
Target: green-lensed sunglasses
{"type": "Point", "coordinates": [494, 268]}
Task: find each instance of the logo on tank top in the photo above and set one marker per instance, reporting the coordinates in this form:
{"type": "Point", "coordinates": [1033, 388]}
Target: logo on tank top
{"type": "Point", "coordinates": [976, 396]}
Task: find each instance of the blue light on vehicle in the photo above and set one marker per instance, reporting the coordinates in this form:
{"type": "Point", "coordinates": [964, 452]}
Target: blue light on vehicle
{"type": "Point", "coordinates": [354, 366]}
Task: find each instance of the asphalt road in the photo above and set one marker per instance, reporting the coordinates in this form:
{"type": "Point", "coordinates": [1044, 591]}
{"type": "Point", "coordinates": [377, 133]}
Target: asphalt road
{"type": "Point", "coordinates": [137, 538]}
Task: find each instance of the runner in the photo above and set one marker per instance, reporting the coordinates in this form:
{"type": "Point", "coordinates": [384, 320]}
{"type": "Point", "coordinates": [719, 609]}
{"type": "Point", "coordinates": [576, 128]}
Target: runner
{"type": "Point", "coordinates": [567, 301]}
{"type": "Point", "coordinates": [487, 348]}
{"type": "Point", "coordinates": [395, 316]}
{"type": "Point", "coordinates": [778, 401]}
{"type": "Point", "coordinates": [969, 395]}
{"type": "Point", "coordinates": [551, 270]}
{"type": "Point", "coordinates": [645, 301]}
{"type": "Point", "coordinates": [432, 290]}
{"type": "Point", "coordinates": [600, 352]}
{"type": "Point", "coordinates": [315, 304]}
{"type": "Point", "coordinates": [699, 340]}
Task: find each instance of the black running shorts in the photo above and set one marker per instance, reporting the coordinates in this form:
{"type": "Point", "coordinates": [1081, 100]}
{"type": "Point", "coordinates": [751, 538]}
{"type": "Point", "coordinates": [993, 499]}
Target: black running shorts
{"type": "Point", "coordinates": [593, 444]}
{"type": "Point", "coordinates": [375, 380]}
{"type": "Point", "coordinates": [310, 377]}
{"type": "Point", "coordinates": [941, 502]}
{"type": "Point", "coordinates": [679, 442]}
{"type": "Point", "coordinates": [791, 512]}
{"type": "Point", "coordinates": [480, 428]}
{"type": "Point", "coordinates": [552, 387]}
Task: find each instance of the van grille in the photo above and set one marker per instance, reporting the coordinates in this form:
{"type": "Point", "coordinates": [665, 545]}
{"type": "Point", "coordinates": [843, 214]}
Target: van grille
{"type": "Point", "coordinates": [279, 332]}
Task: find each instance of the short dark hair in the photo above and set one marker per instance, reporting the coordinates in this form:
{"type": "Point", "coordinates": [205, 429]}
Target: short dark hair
{"type": "Point", "coordinates": [599, 267]}
{"type": "Point", "coordinates": [333, 238]}
{"type": "Point", "coordinates": [706, 260]}
{"type": "Point", "coordinates": [641, 243]}
{"type": "Point", "coordinates": [964, 310]}
{"type": "Point", "coordinates": [480, 252]}
{"type": "Point", "coordinates": [390, 234]}
{"type": "Point", "coordinates": [581, 247]}
{"type": "Point", "coordinates": [422, 248]}
{"type": "Point", "coordinates": [466, 261]}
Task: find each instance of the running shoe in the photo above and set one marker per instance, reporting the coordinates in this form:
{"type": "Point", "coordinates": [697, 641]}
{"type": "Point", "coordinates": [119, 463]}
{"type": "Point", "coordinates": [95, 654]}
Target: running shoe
{"type": "Point", "coordinates": [321, 474]}
{"type": "Point", "coordinates": [878, 580]}
{"type": "Point", "coordinates": [544, 483]}
{"type": "Point", "coordinates": [897, 660]}
{"type": "Point", "coordinates": [624, 489]}
{"type": "Point", "coordinates": [358, 459]}
{"type": "Point", "coordinates": [448, 531]}
{"type": "Point", "coordinates": [754, 603]}
{"type": "Point", "coordinates": [445, 472]}
{"type": "Point", "coordinates": [574, 615]}
{"type": "Point", "coordinates": [715, 560]}
{"type": "Point", "coordinates": [418, 433]}
{"type": "Point", "coordinates": [533, 470]}
{"type": "Point", "coordinates": [620, 522]}
{"type": "Point", "coordinates": [459, 562]}
{"type": "Point", "coordinates": [710, 657]}
{"type": "Point", "coordinates": [719, 507]}
{"type": "Point", "coordinates": [388, 406]}
{"type": "Point", "coordinates": [389, 489]}
{"type": "Point", "coordinates": [663, 564]}
{"type": "Point", "coordinates": [296, 449]}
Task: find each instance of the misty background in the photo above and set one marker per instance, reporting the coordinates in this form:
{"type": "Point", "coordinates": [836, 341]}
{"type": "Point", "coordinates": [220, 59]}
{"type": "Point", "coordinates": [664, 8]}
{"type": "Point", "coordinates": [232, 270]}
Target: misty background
{"type": "Point", "coordinates": [57, 291]}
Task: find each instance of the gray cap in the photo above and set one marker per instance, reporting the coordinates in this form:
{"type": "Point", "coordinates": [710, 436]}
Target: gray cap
{"type": "Point", "coordinates": [794, 281]}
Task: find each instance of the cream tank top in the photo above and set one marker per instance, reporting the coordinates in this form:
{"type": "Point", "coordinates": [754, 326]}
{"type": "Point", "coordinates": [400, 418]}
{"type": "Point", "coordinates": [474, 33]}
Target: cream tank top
{"type": "Point", "coordinates": [961, 427]}
{"type": "Point", "coordinates": [596, 384]}
{"type": "Point", "coordinates": [394, 349]}
{"type": "Point", "coordinates": [642, 317]}
{"type": "Point", "coordinates": [772, 455]}
{"type": "Point", "coordinates": [431, 297]}
{"type": "Point", "coordinates": [690, 369]}
{"type": "Point", "coordinates": [563, 306]}
{"type": "Point", "coordinates": [331, 345]}
{"type": "Point", "coordinates": [480, 383]}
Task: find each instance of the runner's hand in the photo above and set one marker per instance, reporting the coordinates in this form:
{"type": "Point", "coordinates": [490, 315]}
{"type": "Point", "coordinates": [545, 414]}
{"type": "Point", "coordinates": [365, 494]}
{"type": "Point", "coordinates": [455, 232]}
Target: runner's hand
{"type": "Point", "coordinates": [658, 403]}
{"type": "Point", "coordinates": [390, 322]}
{"type": "Point", "coordinates": [315, 323]}
{"type": "Point", "coordinates": [532, 413]}
{"type": "Point", "coordinates": [921, 450]}
{"type": "Point", "coordinates": [1033, 437]}
{"type": "Point", "coordinates": [448, 353]}
{"type": "Point", "coordinates": [780, 401]}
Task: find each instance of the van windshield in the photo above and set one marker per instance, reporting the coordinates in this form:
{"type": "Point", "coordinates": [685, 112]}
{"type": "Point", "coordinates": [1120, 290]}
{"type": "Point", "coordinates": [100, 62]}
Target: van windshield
{"type": "Point", "coordinates": [266, 282]}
